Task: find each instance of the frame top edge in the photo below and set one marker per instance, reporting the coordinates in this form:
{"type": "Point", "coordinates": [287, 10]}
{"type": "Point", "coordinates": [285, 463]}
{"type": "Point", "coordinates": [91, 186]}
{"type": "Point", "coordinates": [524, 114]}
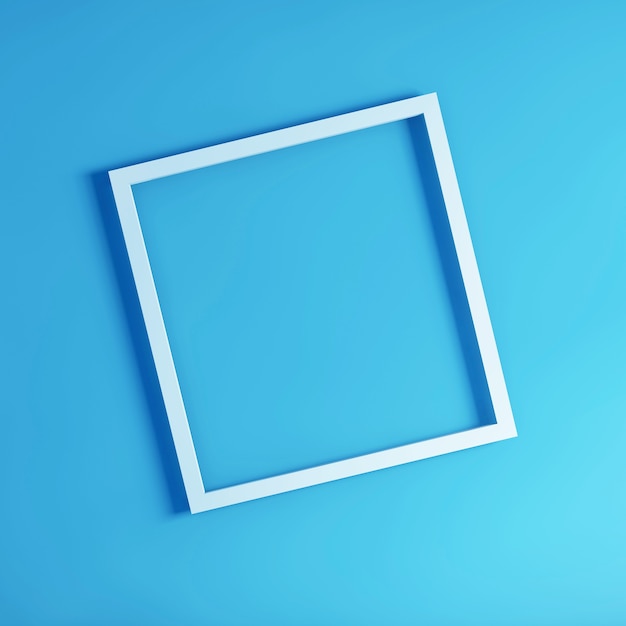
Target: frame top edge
{"type": "Point", "coordinates": [273, 140]}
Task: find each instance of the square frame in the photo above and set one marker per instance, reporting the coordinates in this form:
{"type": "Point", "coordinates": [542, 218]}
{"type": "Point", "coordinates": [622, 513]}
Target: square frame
{"type": "Point", "coordinates": [123, 179]}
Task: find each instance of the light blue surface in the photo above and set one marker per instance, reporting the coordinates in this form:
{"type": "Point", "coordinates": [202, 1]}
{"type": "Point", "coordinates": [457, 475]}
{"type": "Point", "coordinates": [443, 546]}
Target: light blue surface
{"type": "Point", "coordinates": [528, 531]}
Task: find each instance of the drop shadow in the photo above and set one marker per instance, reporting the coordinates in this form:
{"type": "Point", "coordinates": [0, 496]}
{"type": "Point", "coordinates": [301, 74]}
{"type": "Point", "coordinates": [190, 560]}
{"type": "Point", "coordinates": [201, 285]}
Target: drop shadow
{"type": "Point", "coordinates": [139, 339]}
{"type": "Point", "coordinates": [451, 270]}
{"type": "Point", "coordinates": [138, 335]}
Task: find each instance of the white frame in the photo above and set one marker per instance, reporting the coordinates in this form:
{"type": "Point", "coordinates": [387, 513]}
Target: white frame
{"type": "Point", "coordinates": [124, 178]}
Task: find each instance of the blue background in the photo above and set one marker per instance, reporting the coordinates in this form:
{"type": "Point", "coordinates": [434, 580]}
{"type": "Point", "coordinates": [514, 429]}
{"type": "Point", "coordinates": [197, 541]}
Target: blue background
{"type": "Point", "coordinates": [94, 528]}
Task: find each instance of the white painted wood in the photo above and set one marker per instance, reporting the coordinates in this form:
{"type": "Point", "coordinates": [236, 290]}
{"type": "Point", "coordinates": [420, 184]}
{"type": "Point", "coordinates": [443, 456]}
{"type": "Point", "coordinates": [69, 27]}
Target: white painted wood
{"type": "Point", "coordinates": [122, 180]}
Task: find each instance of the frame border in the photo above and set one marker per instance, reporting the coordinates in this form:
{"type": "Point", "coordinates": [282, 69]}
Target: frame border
{"type": "Point", "coordinates": [123, 179]}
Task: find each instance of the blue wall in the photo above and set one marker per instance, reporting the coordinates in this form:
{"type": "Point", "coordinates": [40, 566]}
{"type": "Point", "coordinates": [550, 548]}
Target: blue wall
{"type": "Point", "coordinates": [93, 526]}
